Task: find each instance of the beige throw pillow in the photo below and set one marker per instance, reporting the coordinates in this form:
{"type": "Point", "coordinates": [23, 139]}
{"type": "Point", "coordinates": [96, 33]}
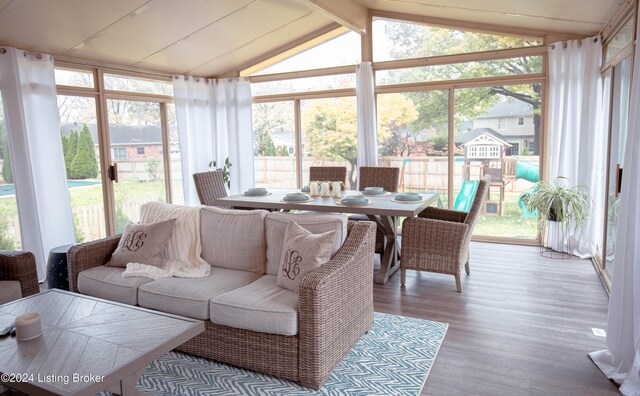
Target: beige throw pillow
{"type": "Point", "coordinates": [302, 252]}
{"type": "Point", "coordinates": [142, 243]}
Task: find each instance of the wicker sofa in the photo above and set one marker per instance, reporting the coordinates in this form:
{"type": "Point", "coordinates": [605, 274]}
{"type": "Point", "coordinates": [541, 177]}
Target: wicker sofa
{"type": "Point", "coordinates": [333, 309]}
{"type": "Point", "coordinates": [18, 275]}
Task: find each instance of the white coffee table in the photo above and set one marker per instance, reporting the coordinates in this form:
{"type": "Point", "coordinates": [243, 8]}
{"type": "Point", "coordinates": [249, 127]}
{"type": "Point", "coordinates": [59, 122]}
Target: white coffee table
{"type": "Point", "coordinates": [87, 344]}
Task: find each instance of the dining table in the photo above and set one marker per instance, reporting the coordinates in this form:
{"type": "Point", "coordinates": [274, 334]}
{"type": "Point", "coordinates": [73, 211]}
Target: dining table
{"type": "Point", "coordinates": [383, 209]}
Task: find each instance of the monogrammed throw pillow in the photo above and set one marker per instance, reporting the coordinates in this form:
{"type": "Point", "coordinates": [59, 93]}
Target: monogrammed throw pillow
{"type": "Point", "coordinates": [302, 252]}
{"type": "Point", "coordinates": [142, 243]}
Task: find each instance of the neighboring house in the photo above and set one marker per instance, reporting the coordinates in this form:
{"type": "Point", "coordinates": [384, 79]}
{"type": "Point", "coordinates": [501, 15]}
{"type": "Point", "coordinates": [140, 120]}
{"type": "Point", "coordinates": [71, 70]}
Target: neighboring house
{"type": "Point", "coordinates": [128, 143]}
{"type": "Point", "coordinates": [287, 139]}
{"type": "Point", "coordinates": [513, 120]}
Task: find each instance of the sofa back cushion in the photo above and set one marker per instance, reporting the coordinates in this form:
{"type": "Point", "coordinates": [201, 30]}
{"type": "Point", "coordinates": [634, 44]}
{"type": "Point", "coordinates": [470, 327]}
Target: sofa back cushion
{"type": "Point", "coordinates": [276, 225]}
{"type": "Point", "coordinates": [234, 239]}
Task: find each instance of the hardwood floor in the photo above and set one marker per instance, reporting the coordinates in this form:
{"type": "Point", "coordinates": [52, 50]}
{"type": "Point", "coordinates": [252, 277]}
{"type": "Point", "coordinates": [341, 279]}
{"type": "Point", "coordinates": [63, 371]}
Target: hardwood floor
{"type": "Point", "coordinates": [522, 325]}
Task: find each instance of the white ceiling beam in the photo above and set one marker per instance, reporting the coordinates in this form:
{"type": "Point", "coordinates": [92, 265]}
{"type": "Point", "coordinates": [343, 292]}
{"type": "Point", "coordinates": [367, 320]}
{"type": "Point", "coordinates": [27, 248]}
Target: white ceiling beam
{"type": "Point", "coordinates": [346, 12]}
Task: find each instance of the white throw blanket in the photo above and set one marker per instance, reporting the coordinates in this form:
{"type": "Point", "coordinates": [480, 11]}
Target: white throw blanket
{"type": "Point", "coordinates": [183, 249]}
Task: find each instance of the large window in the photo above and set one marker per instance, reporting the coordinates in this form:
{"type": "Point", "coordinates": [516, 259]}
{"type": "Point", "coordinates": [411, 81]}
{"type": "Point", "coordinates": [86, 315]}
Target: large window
{"type": "Point", "coordinates": [482, 151]}
{"type": "Point", "coordinates": [619, 41]}
{"type": "Point", "coordinates": [329, 135]}
{"type": "Point", "coordinates": [274, 143]}
{"type": "Point", "coordinates": [413, 136]}
{"type": "Point", "coordinates": [80, 145]}
{"type": "Point", "coordinates": [9, 224]}
{"type": "Point", "coordinates": [335, 48]}
{"type": "Point", "coordinates": [394, 39]}
{"type": "Point", "coordinates": [458, 71]}
{"type": "Point", "coordinates": [137, 156]}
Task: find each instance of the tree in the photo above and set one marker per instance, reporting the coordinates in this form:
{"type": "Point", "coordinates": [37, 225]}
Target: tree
{"type": "Point", "coordinates": [152, 168]}
{"type": "Point", "coordinates": [331, 132]}
{"type": "Point", "coordinates": [270, 118]}
{"type": "Point", "coordinates": [413, 40]}
{"type": "Point", "coordinates": [7, 172]}
{"type": "Point", "coordinates": [72, 148]}
{"type": "Point", "coordinates": [395, 136]}
{"type": "Point", "coordinates": [283, 151]}
{"type": "Point", "coordinates": [84, 165]}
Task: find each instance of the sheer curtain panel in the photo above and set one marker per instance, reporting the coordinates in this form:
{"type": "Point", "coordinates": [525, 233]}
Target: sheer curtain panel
{"type": "Point", "coordinates": [31, 112]}
{"type": "Point", "coordinates": [366, 105]}
{"type": "Point", "coordinates": [214, 123]}
{"type": "Point", "coordinates": [621, 360]}
{"type": "Point", "coordinates": [234, 134]}
{"type": "Point", "coordinates": [578, 134]}
{"type": "Point", "coordinates": [195, 116]}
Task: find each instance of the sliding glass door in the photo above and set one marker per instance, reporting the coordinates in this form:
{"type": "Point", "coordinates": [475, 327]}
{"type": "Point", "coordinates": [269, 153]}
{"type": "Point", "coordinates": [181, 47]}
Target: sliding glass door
{"type": "Point", "coordinates": [620, 79]}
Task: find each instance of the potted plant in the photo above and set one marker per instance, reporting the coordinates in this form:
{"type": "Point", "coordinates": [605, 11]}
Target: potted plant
{"type": "Point", "coordinates": [567, 206]}
{"type": "Point", "coordinates": [226, 170]}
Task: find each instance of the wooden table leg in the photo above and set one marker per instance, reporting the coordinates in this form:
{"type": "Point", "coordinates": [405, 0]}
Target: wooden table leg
{"type": "Point", "coordinates": [389, 261]}
{"type": "Point", "coordinates": [128, 385]}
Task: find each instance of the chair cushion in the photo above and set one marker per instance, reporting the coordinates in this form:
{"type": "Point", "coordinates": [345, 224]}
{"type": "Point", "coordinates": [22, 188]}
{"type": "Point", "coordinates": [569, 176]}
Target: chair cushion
{"type": "Point", "coordinates": [143, 243]}
{"type": "Point", "coordinates": [303, 251]}
{"type": "Point", "coordinates": [190, 296]}
{"type": "Point", "coordinates": [108, 283]}
{"type": "Point", "coordinates": [261, 306]}
{"type": "Point", "coordinates": [9, 291]}
{"type": "Point", "coordinates": [276, 224]}
{"type": "Point", "coordinates": [233, 239]}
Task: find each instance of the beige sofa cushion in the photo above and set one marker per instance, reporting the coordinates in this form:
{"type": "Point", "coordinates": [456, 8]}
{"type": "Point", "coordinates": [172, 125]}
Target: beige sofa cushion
{"type": "Point", "coordinates": [190, 296]}
{"type": "Point", "coordinates": [233, 239]}
{"type": "Point", "coordinates": [276, 225]}
{"type": "Point", "coordinates": [143, 243]}
{"type": "Point", "coordinates": [303, 251]}
{"type": "Point", "coordinates": [261, 306]}
{"type": "Point", "coordinates": [9, 291]}
{"type": "Point", "coordinates": [108, 283]}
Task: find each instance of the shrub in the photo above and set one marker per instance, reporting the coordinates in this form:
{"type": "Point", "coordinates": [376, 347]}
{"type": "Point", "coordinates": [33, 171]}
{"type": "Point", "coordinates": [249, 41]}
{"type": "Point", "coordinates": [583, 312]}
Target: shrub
{"type": "Point", "coordinates": [84, 165]}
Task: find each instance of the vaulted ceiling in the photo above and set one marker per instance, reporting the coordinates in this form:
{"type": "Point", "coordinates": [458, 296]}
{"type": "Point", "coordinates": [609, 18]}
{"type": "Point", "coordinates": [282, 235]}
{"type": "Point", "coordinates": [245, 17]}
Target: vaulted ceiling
{"type": "Point", "coordinates": [211, 37]}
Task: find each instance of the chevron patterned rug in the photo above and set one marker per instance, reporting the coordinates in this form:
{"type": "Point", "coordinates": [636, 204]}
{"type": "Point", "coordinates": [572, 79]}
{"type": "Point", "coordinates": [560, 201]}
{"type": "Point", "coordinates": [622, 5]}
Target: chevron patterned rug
{"type": "Point", "coordinates": [394, 358]}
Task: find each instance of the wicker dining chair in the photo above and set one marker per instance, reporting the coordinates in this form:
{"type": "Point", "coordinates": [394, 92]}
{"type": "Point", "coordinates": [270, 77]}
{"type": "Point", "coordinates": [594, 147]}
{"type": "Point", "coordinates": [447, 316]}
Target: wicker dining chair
{"type": "Point", "coordinates": [438, 239]}
{"type": "Point", "coordinates": [210, 186]}
{"type": "Point", "coordinates": [17, 266]}
{"type": "Point", "coordinates": [328, 173]}
{"type": "Point", "coordinates": [377, 176]}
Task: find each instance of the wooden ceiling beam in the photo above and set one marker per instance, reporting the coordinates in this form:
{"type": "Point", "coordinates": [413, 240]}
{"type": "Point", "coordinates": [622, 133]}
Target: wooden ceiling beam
{"type": "Point", "coordinates": [346, 12]}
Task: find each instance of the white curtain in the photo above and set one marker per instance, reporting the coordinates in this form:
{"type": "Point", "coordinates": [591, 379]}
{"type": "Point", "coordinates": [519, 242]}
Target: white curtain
{"type": "Point", "coordinates": [578, 133]}
{"type": "Point", "coordinates": [234, 134]}
{"type": "Point", "coordinates": [214, 122]}
{"type": "Point", "coordinates": [366, 105]}
{"type": "Point", "coordinates": [30, 106]}
{"type": "Point", "coordinates": [621, 360]}
{"type": "Point", "coordinates": [195, 116]}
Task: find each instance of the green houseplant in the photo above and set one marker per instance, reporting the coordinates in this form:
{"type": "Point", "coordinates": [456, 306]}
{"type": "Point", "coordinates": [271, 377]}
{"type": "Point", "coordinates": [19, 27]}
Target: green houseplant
{"type": "Point", "coordinates": [556, 203]}
{"type": "Point", "coordinates": [226, 170]}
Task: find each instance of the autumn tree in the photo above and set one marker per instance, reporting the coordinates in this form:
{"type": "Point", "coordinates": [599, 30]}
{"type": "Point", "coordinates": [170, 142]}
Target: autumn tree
{"type": "Point", "coordinates": [414, 41]}
{"type": "Point", "coordinates": [395, 115]}
{"type": "Point", "coordinates": [330, 132]}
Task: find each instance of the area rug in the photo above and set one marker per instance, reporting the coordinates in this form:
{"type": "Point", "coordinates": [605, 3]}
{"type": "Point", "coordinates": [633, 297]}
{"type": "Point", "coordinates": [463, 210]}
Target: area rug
{"type": "Point", "coordinates": [393, 358]}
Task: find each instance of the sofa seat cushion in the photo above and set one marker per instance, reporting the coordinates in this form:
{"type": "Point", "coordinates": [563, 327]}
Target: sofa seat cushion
{"type": "Point", "coordinates": [9, 291]}
{"type": "Point", "coordinates": [108, 283]}
{"type": "Point", "coordinates": [261, 306]}
{"type": "Point", "coordinates": [276, 224]}
{"type": "Point", "coordinates": [233, 239]}
{"type": "Point", "coordinates": [191, 296]}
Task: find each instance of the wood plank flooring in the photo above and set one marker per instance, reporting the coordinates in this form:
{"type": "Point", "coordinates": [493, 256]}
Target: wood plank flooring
{"type": "Point", "coordinates": [522, 325]}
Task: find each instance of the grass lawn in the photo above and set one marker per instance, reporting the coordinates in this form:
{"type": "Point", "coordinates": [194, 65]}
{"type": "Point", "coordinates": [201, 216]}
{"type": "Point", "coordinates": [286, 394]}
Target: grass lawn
{"type": "Point", "coordinates": [511, 224]}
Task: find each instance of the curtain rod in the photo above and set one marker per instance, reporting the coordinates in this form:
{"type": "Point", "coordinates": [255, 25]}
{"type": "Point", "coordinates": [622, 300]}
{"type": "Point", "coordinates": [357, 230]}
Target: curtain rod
{"type": "Point", "coordinates": [564, 44]}
{"type": "Point", "coordinates": [38, 55]}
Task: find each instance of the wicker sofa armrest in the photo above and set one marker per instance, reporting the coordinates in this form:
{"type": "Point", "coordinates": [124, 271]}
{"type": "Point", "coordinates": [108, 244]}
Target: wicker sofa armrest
{"type": "Point", "coordinates": [88, 255]}
{"type": "Point", "coordinates": [335, 306]}
{"type": "Point", "coordinates": [443, 214]}
{"type": "Point", "coordinates": [434, 244]}
{"type": "Point", "coordinates": [20, 266]}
